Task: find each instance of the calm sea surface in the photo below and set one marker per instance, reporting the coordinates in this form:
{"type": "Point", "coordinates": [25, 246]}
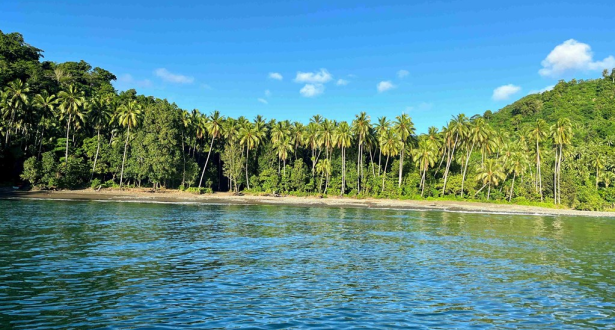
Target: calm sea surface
{"type": "Point", "coordinates": [84, 265]}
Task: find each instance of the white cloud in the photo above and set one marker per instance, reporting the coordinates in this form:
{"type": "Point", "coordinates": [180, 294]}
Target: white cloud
{"type": "Point", "coordinates": [402, 73]}
{"type": "Point", "coordinates": [342, 82]}
{"type": "Point", "coordinates": [504, 92]}
{"type": "Point", "coordinates": [546, 89]}
{"type": "Point", "coordinates": [572, 55]}
{"type": "Point", "coordinates": [311, 90]}
{"type": "Point", "coordinates": [172, 77]}
{"type": "Point", "coordinates": [275, 75]}
{"type": "Point", "coordinates": [319, 77]}
{"type": "Point", "coordinates": [127, 80]}
{"type": "Point", "coordinates": [385, 86]}
{"type": "Point", "coordinates": [263, 101]}
{"type": "Point", "coordinates": [267, 93]}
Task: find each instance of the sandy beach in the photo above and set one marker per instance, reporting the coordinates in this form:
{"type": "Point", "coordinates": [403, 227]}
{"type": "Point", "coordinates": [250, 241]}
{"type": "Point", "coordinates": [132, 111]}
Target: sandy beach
{"type": "Point", "coordinates": [174, 196]}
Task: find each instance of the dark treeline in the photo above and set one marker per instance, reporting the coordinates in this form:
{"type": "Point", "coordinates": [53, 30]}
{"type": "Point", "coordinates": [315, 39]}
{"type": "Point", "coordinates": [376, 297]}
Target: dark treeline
{"type": "Point", "coordinates": [65, 126]}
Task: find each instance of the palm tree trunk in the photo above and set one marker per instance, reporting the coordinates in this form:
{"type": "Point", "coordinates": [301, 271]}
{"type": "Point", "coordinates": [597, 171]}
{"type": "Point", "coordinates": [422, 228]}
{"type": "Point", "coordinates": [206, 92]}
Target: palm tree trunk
{"type": "Point", "coordinates": [539, 174]}
{"type": "Point", "coordinates": [184, 156]}
{"type": "Point", "coordinates": [401, 164]}
{"type": "Point", "coordinates": [67, 135]}
{"type": "Point", "coordinates": [559, 176]}
{"type": "Point", "coordinates": [124, 158]}
{"type": "Point", "coordinates": [384, 172]}
{"type": "Point", "coordinates": [247, 161]}
{"type": "Point", "coordinates": [465, 168]}
{"type": "Point", "coordinates": [423, 182]}
{"type": "Point", "coordinates": [96, 156]}
{"type": "Point", "coordinates": [358, 168]}
{"type": "Point", "coordinates": [40, 146]}
{"type": "Point", "coordinates": [489, 191]}
{"type": "Point", "coordinates": [555, 179]}
{"type": "Point", "coordinates": [512, 186]}
{"type": "Point", "coordinates": [449, 161]}
{"type": "Point", "coordinates": [206, 161]}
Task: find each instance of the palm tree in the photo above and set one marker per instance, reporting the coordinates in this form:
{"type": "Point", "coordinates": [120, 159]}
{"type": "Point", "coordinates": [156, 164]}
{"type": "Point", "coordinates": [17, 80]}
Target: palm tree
{"type": "Point", "coordinates": [283, 147]}
{"type": "Point", "coordinates": [360, 127]}
{"type": "Point", "coordinates": [46, 104]}
{"type": "Point", "coordinates": [313, 141]}
{"type": "Point", "coordinates": [214, 128]}
{"type": "Point", "coordinates": [230, 132]}
{"type": "Point", "coordinates": [404, 128]}
{"type": "Point", "coordinates": [381, 128]}
{"type": "Point", "coordinates": [561, 132]}
{"type": "Point", "coordinates": [390, 145]}
{"type": "Point", "coordinates": [342, 138]}
{"type": "Point", "coordinates": [99, 116]}
{"type": "Point", "coordinates": [537, 134]}
{"type": "Point", "coordinates": [15, 99]}
{"type": "Point", "coordinates": [324, 169]}
{"type": "Point", "coordinates": [517, 164]}
{"type": "Point", "coordinates": [456, 132]}
{"type": "Point", "coordinates": [598, 162]}
{"type": "Point", "coordinates": [424, 157]}
{"type": "Point", "coordinates": [297, 135]}
{"type": "Point", "coordinates": [478, 134]}
{"type": "Point", "coordinates": [72, 102]}
{"type": "Point", "coordinates": [129, 116]}
{"type": "Point", "coordinates": [186, 125]}
{"type": "Point", "coordinates": [490, 174]}
{"type": "Point", "coordinates": [249, 137]}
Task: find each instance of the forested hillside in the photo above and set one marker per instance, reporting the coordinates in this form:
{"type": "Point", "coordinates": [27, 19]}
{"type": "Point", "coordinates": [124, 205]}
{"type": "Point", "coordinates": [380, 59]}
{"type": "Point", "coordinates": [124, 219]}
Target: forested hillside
{"type": "Point", "coordinates": [64, 126]}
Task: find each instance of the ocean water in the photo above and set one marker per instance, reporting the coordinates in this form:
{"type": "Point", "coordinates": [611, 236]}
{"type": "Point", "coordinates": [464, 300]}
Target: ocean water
{"type": "Point", "coordinates": [95, 265]}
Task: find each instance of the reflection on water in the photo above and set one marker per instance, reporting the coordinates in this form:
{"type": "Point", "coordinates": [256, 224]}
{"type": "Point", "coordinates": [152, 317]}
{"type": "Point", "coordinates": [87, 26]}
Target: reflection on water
{"type": "Point", "coordinates": [85, 265]}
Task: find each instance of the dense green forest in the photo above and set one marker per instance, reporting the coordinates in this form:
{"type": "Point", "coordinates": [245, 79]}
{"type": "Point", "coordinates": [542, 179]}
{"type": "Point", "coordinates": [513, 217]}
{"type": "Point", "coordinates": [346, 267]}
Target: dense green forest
{"type": "Point", "coordinates": [65, 126]}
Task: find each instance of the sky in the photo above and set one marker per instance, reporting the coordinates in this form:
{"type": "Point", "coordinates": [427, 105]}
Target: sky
{"type": "Point", "coordinates": [294, 59]}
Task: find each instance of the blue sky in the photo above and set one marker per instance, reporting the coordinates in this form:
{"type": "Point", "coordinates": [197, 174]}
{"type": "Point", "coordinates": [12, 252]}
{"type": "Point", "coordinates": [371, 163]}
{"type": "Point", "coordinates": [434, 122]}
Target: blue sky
{"type": "Point", "coordinates": [428, 59]}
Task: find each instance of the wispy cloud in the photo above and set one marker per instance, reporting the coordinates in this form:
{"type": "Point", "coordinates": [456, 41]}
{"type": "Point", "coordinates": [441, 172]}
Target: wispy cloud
{"type": "Point", "coordinates": [319, 77]}
{"type": "Point", "coordinates": [571, 56]}
{"type": "Point", "coordinates": [385, 86]}
{"type": "Point", "coordinates": [402, 73]}
{"type": "Point", "coordinates": [167, 76]}
{"type": "Point", "coordinates": [128, 81]}
{"type": "Point", "coordinates": [263, 101]}
{"type": "Point", "coordinates": [311, 90]}
{"type": "Point", "coordinates": [275, 75]}
{"type": "Point", "coordinates": [505, 92]}
{"type": "Point", "coordinates": [546, 89]}
{"type": "Point", "coordinates": [342, 82]}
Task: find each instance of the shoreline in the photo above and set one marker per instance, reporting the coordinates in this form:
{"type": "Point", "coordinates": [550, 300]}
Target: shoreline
{"type": "Point", "coordinates": [177, 197]}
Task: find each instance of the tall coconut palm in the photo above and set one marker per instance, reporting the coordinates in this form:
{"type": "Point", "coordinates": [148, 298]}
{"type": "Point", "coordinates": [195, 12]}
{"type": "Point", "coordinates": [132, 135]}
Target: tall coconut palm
{"type": "Point", "coordinates": [390, 145]}
{"type": "Point", "coordinates": [326, 136]}
{"type": "Point", "coordinates": [381, 128]}
{"type": "Point", "coordinates": [561, 133]}
{"type": "Point", "coordinates": [249, 137]}
{"type": "Point", "coordinates": [478, 134]}
{"type": "Point", "coordinates": [15, 99]}
{"type": "Point", "coordinates": [313, 141]}
{"type": "Point", "coordinates": [517, 165]}
{"type": "Point", "coordinates": [72, 102]}
{"type": "Point", "coordinates": [424, 156]}
{"type": "Point", "coordinates": [490, 174]}
{"type": "Point", "coordinates": [324, 169]}
{"type": "Point", "coordinates": [537, 134]}
{"type": "Point", "coordinates": [404, 128]}
{"type": "Point", "coordinates": [128, 116]}
{"type": "Point", "coordinates": [297, 135]}
{"type": "Point", "coordinates": [186, 127]}
{"type": "Point", "coordinates": [214, 128]}
{"type": "Point", "coordinates": [230, 132]}
{"type": "Point", "coordinates": [456, 131]}
{"type": "Point", "coordinates": [597, 161]}
{"type": "Point", "coordinates": [99, 115]}
{"type": "Point", "coordinates": [342, 138]}
{"type": "Point", "coordinates": [283, 147]}
{"type": "Point", "coordinates": [360, 127]}
{"type": "Point", "coordinates": [46, 105]}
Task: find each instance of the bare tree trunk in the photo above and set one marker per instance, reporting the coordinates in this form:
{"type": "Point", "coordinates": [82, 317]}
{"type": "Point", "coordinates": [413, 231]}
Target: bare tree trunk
{"type": "Point", "coordinates": [384, 172]}
{"type": "Point", "coordinates": [401, 164]}
{"type": "Point", "coordinates": [206, 161]}
{"type": "Point", "coordinates": [465, 168]}
{"type": "Point", "coordinates": [96, 156]}
{"type": "Point", "coordinates": [512, 186]}
{"type": "Point", "coordinates": [124, 158]}
{"type": "Point", "coordinates": [67, 135]}
{"type": "Point", "coordinates": [449, 161]}
{"type": "Point", "coordinates": [247, 161]}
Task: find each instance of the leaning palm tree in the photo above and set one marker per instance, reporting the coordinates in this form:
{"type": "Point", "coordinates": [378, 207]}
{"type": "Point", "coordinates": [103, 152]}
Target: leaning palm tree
{"type": "Point", "coordinates": [342, 138]}
{"type": "Point", "coordinates": [214, 128]}
{"type": "Point", "coordinates": [478, 134]}
{"type": "Point", "coordinates": [456, 131]}
{"type": "Point", "coordinates": [129, 116]}
{"type": "Point", "coordinates": [381, 128]}
{"type": "Point", "coordinates": [404, 128]}
{"type": "Point", "coordinates": [99, 115]}
{"type": "Point", "coordinates": [249, 138]}
{"type": "Point", "coordinates": [71, 106]}
{"type": "Point", "coordinates": [324, 169]}
{"type": "Point", "coordinates": [597, 161]}
{"type": "Point", "coordinates": [517, 165]}
{"type": "Point", "coordinates": [490, 174]}
{"type": "Point", "coordinates": [424, 157]}
{"type": "Point", "coordinates": [390, 145]}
